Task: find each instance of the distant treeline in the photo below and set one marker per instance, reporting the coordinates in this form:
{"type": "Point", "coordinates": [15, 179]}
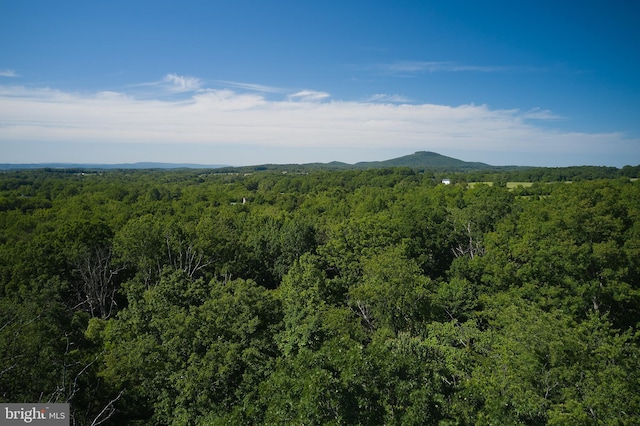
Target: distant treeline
{"type": "Point", "coordinates": [550, 174]}
{"type": "Point", "coordinates": [355, 297]}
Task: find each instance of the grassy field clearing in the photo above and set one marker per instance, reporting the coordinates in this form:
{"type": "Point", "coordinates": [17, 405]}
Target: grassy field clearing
{"type": "Point", "coordinates": [510, 185]}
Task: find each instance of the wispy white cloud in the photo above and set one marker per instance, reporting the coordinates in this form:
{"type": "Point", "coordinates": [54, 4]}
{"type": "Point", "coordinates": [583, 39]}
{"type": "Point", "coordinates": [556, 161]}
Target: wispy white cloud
{"type": "Point", "coordinates": [416, 67]}
{"type": "Point", "coordinates": [8, 73]}
{"type": "Point", "coordinates": [308, 96]}
{"type": "Point", "coordinates": [253, 87]}
{"type": "Point", "coordinates": [226, 118]}
{"type": "Point", "coordinates": [180, 83]}
{"type": "Point", "coordinates": [169, 84]}
{"type": "Point", "coordinates": [383, 97]}
{"type": "Point", "coordinates": [542, 114]}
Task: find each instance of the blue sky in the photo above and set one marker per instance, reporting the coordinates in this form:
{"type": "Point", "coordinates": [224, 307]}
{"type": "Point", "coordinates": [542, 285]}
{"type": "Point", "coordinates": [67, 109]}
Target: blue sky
{"type": "Point", "coordinates": [546, 83]}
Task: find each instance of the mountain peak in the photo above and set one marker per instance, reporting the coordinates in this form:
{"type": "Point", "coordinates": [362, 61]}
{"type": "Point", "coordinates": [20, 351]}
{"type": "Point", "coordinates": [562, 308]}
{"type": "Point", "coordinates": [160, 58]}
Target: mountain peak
{"type": "Point", "coordinates": [426, 159]}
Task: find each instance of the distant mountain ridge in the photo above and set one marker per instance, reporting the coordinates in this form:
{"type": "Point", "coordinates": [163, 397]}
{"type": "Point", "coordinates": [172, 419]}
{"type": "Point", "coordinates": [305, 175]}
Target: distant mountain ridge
{"type": "Point", "coordinates": [140, 165]}
{"type": "Point", "coordinates": [421, 160]}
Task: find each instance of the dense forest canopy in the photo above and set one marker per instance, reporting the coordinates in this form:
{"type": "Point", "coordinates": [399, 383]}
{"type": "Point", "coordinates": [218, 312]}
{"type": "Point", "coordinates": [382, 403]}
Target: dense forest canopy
{"type": "Point", "coordinates": [366, 297]}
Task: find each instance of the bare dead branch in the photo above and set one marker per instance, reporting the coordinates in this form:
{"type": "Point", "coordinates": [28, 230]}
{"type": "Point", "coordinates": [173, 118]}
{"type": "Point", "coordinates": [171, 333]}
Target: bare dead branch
{"type": "Point", "coordinates": [108, 411]}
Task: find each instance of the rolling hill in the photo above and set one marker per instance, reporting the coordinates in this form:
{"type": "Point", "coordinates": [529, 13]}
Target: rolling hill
{"type": "Point", "coordinates": [428, 160]}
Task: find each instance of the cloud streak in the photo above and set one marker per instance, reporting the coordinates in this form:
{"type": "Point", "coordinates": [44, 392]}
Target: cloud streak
{"type": "Point", "coordinates": [308, 96]}
{"type": "Point", "coordinates": [8, 73]}
{"type": "Point", "coordinates": [252, 86]}
{"type": "Point", "coordinates": [305, 119]}
{"type": "Point", "coordinates": [418, 67]}
{"type": "Point", "coordinates": [170, 84]}
{"type": "Point", "coordinates": [383, 97]}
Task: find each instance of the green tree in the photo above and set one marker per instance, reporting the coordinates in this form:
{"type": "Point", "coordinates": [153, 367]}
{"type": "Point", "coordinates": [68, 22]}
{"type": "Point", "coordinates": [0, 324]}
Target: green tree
{"type": "Point", "coordinates": [192, 351]}
{"type": "Point", "coordinates": [393, 293]}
